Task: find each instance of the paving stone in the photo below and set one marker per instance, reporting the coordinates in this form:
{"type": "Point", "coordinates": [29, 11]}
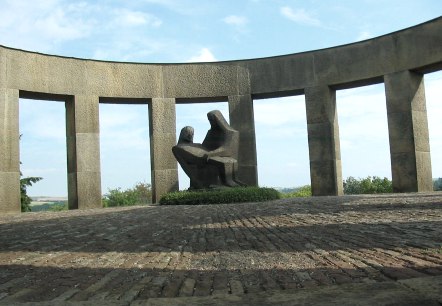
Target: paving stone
{"type": "Point", "coordinates": [224, 253]}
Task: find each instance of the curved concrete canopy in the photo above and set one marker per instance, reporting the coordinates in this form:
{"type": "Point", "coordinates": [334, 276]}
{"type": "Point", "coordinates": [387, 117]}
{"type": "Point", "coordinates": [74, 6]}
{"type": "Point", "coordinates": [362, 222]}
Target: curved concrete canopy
{"type": "Point", "coordinates": [418, 48]}
{"type": "Point", "coordinates": [398, 59]}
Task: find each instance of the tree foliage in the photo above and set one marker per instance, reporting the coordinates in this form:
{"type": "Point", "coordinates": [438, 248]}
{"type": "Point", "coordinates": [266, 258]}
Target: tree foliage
{"type": "Point", "coordinates": [26, 182]}
{"type": "Point", "coordinates": [301, 192]}
{"type": "Point", "coordinates": [24, 198]}
{"type": "Point", "coordinates": [368, 185]}
{"type": "Point", "coordinates": [437, 184]}
{"type": "Point", "coordinates": [141, 193]}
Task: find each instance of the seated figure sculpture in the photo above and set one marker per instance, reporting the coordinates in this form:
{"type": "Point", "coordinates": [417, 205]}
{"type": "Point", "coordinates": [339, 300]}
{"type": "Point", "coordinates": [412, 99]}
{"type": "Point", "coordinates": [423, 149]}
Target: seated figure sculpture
{"type": "Point", "coordinates": [212, 163]}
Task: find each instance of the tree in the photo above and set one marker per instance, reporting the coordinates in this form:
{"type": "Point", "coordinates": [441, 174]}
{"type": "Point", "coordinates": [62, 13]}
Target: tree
{"type": "Point", "coordinates": [368, 185]}
{"type": "Point", "coordinates": [25, 199]}
{"type": "Point", "coordinates": [25, 183]}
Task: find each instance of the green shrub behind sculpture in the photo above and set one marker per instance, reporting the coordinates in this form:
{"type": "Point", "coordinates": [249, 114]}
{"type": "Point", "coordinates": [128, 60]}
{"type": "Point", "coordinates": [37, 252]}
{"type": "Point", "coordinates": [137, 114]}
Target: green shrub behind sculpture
{"type": "Point", "coordinates": [140, 194]}
{"type": "Point", "coordinates": [220, 196]}
{"type": "Point", "coordinates": [368, 185]}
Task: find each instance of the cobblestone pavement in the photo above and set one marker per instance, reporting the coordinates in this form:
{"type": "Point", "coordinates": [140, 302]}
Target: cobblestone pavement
{"type": "Point", "coordinates": [133, 254]}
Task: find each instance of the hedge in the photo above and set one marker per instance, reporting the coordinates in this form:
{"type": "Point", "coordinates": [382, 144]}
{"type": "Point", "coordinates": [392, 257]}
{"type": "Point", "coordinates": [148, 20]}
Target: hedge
{"type": "Point", "coordinates": [220, 196]}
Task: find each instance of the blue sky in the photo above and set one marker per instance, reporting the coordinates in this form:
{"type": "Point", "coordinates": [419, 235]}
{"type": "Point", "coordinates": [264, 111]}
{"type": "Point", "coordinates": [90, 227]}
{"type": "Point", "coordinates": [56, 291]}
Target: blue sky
{"type": "Point", "coordinates": [189, 30]}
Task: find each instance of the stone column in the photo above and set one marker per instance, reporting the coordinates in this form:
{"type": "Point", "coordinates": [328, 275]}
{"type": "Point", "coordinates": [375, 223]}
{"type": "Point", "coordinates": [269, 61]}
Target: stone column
{"type": "Point", "coordinates": [408, 132]}
{"type": "Point", "coordinates": [323, 141]}
{"type": "Point", "coordinates": [83, 152]}
{"type": "Point", "coordinates": [162, 126]}
{"type": "Point", "coordinates": [9, 152]}
{"type": "Point", "coordinates": [242, 119]}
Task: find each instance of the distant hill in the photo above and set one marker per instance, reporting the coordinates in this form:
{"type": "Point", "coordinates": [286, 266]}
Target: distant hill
{"type": "Point", "coordinates": [288, 189]}
{"type": "Point", "coordinates": [48, 199]}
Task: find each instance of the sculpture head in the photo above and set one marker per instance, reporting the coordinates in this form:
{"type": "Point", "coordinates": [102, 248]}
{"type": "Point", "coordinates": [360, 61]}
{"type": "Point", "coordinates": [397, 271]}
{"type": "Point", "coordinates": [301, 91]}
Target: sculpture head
{"type": "Point", "coordinates": [186, 135]}
{"type": "Point", "coordinates": [217, 120]}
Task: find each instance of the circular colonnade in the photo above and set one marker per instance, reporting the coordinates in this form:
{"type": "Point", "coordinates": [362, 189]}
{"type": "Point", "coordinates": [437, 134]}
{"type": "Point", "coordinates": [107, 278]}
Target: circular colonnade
{"type": "Point", "coordinates": [399, 60]}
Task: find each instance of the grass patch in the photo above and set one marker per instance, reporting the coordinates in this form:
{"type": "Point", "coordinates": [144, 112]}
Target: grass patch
{"type": "Point", "coordinates": [220, 196]}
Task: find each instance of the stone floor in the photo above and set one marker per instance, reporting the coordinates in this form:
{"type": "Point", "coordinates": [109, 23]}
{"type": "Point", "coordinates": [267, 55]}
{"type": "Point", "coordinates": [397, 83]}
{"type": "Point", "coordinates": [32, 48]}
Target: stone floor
{"type": "Point", "coordinates": [287, 251]}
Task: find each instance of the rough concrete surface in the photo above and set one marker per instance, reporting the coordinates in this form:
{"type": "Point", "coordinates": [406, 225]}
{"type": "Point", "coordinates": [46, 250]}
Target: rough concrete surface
{"type": "Point", "coordinates": [348, 250]}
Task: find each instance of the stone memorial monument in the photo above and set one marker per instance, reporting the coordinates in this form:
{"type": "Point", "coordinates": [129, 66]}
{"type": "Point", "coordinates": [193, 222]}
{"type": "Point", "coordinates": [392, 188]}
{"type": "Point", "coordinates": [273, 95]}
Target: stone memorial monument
{"type": "Point", "coordinates": [214, 162]}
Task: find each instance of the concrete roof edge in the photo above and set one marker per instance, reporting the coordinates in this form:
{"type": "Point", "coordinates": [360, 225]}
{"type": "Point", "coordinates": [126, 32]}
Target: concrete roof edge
{"type": "Point", "coordinates": [228, 61]}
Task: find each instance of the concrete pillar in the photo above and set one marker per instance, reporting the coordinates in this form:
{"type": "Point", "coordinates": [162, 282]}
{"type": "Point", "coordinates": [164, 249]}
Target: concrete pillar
{"type": "Point", "coordinates": [83, 152]}
{"type": "Point", "coordinates": [408, 132]}
{"type": "Point", "coordinates": [162, 126]}
{"type": "Point", "coordinates": [9, 152]}
{"type": "Point", "coordinates": [323, 141]}
{"type": "Point", "coordinates": [242, 119]}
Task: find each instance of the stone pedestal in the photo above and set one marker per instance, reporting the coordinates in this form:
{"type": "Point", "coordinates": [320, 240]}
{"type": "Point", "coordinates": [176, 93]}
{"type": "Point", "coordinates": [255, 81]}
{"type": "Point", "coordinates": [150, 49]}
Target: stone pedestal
{"type": "Point", "coordinates": [162, 126]}
{"type": "Point", "coordinates": [242, 119]}
{"type": "Point", "coordinates": [408, 132]}
{"type": "Point", "coordinates": [83, 152]}
{"type": "Point", "coordinates": [323, 141]}
{"type": "Point", "coordinates": [9, 152]}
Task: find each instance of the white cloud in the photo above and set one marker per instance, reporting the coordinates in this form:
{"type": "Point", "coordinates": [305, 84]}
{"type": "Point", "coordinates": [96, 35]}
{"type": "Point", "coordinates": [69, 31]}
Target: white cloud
{"type": "Point", "coordinates": [300, 16]}
{"type": "Point", "coordinates": [129, 48]}
{"type": "Point", "coordinates": [130, 18]}
{"type": "Point", "coordinates": [184, 7]}
{"type": "Point", "coordinates": [364, 35]}
{"type": "Point", "coordinates": [235, 20]}
{"type": "Point", "coordinates": [41, 25]}
{"type": "Point", "coordinates": [204, 55]}
{"type": "Point", "coordinates": [58, 25]}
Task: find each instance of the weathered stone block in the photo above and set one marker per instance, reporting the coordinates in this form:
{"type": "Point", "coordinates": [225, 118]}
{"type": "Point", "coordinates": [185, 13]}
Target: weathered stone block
{"type": "Point", "coordinates": [165, 181]}
{"type": "Point", "coordinates": [321, 142]}
{"type": "Point", "coordinates": [420, 131]}
{"type": "Point", "coordinates": [326, 178]}
{"type": "Point", "coordinates": [405, 91]}
{"type": "Point", "coordinates": [88, 152]}
{"type": "Point", "coordinates": [403, 172]}
{"type": "Point", "coordinates": [89, 190]}
{"type": "Point", "coordinates": [424, 171]}
{"type": "Point", "coordinates": [9, 192]}
{"type": "Point", "coordinates": [400, 129]}
{"type": "Point", "coordinates": [320, 102]}
{"type": "Point", "coordinates": [161, 148]}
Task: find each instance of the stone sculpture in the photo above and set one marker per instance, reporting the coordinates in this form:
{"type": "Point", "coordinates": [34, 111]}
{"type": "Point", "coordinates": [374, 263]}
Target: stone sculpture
{"type": "Point", "coordinates": [212, 163]}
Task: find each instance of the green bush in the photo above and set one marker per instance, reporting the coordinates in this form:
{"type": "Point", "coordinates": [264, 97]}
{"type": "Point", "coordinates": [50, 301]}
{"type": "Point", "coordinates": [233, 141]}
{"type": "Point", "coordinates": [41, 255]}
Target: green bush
{"type": "Point", "coordinates": [304, 191]}
{"type": "Point", "coordinates": [220, 196]}
{"type": "Point", "coordinates": [141, 193]}
{"type": "Point", "coordinates": [368, 185]}
{"type": "Point", "coordinates": [437, 184]}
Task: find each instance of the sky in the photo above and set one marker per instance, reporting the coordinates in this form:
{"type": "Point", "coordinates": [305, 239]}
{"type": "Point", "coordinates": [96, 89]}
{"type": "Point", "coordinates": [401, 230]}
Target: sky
{"type": "Point", "coordinates": [166, 31]}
